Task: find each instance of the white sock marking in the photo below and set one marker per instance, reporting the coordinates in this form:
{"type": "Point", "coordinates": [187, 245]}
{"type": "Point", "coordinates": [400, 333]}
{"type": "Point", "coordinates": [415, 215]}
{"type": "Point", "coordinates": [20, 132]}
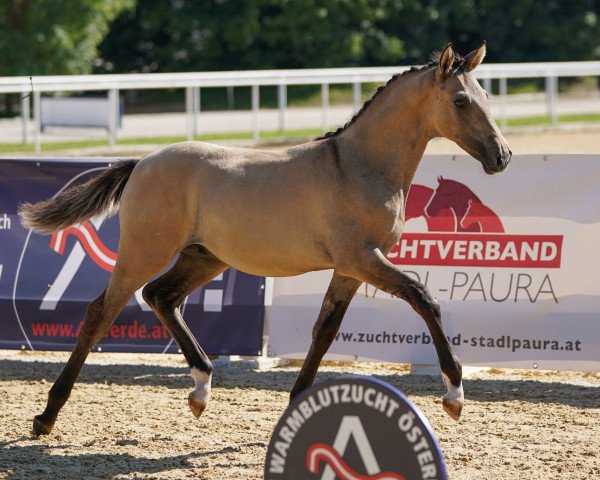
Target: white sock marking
{"type": "Point", "coordinates": [454, 393]}
{"type": "Point", "coordinates": [202, 381]}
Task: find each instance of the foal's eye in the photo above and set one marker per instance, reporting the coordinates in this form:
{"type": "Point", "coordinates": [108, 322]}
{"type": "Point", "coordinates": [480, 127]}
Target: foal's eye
{"type": "Point", "coordinates": [460, 102]}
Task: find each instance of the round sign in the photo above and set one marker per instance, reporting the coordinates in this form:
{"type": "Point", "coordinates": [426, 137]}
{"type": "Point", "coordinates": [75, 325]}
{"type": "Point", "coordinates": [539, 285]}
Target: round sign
{"type": "Point", "coordinates": [353, 428]}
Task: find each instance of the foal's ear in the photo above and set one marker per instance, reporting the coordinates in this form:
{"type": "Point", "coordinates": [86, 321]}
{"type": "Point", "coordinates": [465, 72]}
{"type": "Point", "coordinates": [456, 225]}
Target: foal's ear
{"type": "Point", "coordinates": [446, 61]}
{"type": "Point", "coordinates": [473, 59]}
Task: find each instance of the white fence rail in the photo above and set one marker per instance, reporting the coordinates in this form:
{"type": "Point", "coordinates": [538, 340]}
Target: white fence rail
{"type": "Point", "coordinates": [193, 82]}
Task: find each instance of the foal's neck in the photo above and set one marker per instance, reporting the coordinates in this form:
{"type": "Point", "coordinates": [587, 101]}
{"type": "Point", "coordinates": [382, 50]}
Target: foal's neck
{"type": "Point", "coordinates": [394, 130]}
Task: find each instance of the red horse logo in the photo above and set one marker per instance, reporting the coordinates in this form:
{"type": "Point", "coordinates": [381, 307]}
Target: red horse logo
{"type": "Point", "coordinates": [463, 231]}
{"type": "Point", "coordinates": [451, 207]}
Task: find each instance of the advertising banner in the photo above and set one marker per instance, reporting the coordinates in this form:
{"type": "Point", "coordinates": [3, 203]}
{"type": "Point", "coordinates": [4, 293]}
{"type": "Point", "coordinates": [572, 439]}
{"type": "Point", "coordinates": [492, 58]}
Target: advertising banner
{"type": "Point", "coordinates": [511, 258]}
{"type": "Point", "coordinates": [46, 281]}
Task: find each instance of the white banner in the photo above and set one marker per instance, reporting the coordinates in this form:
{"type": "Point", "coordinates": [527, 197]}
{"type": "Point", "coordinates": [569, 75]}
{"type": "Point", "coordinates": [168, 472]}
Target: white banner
{"type": "Point", "coordinates": [512, 258]}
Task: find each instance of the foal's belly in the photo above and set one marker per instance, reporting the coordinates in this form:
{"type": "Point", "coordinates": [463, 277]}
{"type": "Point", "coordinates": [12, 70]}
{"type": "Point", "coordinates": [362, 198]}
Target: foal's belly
{"type": "Point", "coordinates": [264, 242]}
{"type": "Point", "coordinates": [268, 257]}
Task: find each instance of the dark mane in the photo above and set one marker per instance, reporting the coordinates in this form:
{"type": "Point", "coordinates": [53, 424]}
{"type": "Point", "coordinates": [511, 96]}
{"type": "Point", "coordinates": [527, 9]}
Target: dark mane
{"type": "Point", "coordinates": [433, 60]}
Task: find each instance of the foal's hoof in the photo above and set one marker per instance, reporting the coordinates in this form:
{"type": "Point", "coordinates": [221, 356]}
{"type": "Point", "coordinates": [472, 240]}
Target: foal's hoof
{"type": "Point", "coordinates": [40, 427]}
{"type": "Point", "coordinates": [452, 408]}
{"type": "Point", "coordinates": [197, 405]}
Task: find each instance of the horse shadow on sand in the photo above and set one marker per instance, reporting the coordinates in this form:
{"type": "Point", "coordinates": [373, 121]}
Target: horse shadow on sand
{"type": "Point", "coordinates": [18, 455]}
{"type": "Point", "coordinates": [282, 379]}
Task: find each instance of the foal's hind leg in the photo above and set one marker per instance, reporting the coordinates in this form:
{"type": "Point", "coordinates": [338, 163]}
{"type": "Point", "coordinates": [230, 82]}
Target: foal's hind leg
{"type": "Point", "coordinates": [99, 316]}
{"type": "Point", "coordinates": [194, 267]}
{"type": "Point", "coordinates": [372, 267]}
{"type": "Point", "coordinates": [92, 330]}
{"type": "Point", "coordinates": [339, 295]}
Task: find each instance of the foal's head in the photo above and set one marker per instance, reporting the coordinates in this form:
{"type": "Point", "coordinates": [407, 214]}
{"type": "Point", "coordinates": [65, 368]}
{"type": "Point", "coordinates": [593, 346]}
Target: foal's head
{"type": "Point", "coordinates": [462, 113]}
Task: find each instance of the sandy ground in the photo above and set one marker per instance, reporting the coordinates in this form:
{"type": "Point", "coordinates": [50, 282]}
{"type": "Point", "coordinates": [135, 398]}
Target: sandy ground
{"type": "Point", "coordinates": [128, 416]}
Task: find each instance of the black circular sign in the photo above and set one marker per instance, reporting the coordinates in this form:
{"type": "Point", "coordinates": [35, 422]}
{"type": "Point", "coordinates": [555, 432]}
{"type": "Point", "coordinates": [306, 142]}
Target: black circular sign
{"type": "Point", "coordinates": [353, 428]}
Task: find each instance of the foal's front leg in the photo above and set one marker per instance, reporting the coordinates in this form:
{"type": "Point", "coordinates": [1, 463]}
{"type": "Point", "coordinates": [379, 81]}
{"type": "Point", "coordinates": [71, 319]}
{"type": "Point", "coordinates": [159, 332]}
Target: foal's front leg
{"type": "Point", "coordinates": [339, 294]}
{"type": "Point", "coordinates": [372, 267]}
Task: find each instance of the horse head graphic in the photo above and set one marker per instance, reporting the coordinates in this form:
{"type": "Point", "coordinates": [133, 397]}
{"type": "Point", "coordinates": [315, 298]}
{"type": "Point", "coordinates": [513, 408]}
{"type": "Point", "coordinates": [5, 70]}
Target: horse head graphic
{"type": "Point", "coordinates": [451, 207]}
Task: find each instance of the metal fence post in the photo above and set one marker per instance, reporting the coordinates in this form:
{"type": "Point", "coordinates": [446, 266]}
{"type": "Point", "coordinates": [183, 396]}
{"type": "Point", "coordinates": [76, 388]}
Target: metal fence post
{"type": "Point", "coordinates": [552, 98]}
{"type": "Point", "coordinates": [282, 102]}
{"type": "Point", "coordinates": [487, 85]}
{"type": "Point", "coordinates": [255, 113]}
{"type": "Point", "coordinates": [325, 106]}
{"type": "Point", "coordinates": [196, 111]}
{"type": "Point", "coordinates": [357, 95]}
{"type": "Point", "coordinates": [37, 121]}
{"type": "Point", "coordinates": [113, 113]}
{"type": "Point", "coordinates": [230, 97]}
{"type": "Point", "coordinates": [192, 108]}
{"type": "Point", "coordinates": [25, 112]}
{"type": "Point", "coordinates": [189, 115]}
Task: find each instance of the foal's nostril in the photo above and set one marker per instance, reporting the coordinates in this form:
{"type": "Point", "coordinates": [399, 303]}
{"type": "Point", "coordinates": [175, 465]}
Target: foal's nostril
{"type": "Point", "coordinates": [500, 161]}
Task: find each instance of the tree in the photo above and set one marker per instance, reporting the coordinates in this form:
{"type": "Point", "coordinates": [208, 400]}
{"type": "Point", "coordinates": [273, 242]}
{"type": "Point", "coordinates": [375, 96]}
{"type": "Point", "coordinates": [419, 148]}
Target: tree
{"type": "Point", "coordinates": [528, 30]}
{"type": "Point", "coordinates": [184, 35]}
{"type": "Point", "coordinates": [53, 37]}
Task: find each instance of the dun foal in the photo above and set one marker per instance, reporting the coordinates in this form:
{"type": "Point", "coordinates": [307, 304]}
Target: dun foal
{"type": "Point", "coordinates": [334, 203]}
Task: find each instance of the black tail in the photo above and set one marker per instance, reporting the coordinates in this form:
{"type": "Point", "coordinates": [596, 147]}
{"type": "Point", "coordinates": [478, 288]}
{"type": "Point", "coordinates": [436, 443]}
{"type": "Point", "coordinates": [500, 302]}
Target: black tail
{"type": "Point", "coordinates": [98, 196]}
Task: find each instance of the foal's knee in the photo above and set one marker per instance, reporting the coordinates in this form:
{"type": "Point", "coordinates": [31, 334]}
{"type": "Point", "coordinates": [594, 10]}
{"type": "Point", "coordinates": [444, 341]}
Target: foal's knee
{"type": "Point", "coordinates": [421, 300]}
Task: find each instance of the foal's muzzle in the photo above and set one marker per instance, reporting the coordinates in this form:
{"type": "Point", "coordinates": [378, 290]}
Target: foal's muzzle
{"type": "Point", "coordinates": [497, 157]}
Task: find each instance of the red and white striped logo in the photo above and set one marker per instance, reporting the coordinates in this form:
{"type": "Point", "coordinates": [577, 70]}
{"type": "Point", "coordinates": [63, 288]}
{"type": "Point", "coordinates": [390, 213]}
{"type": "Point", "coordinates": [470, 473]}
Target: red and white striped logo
{"type": "Point", "coordinates": [87, 235]}
{"type": "Point", "coordinates": [324, 452]}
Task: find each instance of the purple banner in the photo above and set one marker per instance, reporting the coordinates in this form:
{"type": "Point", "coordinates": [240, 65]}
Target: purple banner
{"type": "Point", "coordinates": [46, 281]}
